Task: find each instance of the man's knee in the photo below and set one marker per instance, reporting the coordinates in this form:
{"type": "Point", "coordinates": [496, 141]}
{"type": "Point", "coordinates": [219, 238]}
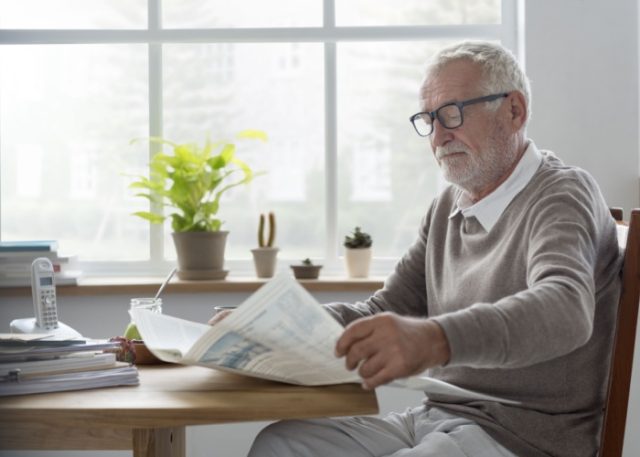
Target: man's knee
{"type": "Point", "coordinates": [274, 440]}
{"type": "Point", "coordinates": [310, 437]}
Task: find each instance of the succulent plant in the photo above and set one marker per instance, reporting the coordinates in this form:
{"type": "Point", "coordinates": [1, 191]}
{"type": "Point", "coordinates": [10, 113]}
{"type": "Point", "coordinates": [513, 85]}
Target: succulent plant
{"type": "Point", "coordinates": [358, 240]}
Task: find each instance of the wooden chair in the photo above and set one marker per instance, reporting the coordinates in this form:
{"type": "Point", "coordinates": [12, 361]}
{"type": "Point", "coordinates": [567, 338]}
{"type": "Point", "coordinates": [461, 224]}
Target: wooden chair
{"type": "Point", "coordinates": [615, 410]}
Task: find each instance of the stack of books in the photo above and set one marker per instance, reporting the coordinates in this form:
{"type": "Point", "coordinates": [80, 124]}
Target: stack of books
{"type": "Point", "coordinates": [34, 363]}
{"type": "Point", "coordinates": [16, 258]}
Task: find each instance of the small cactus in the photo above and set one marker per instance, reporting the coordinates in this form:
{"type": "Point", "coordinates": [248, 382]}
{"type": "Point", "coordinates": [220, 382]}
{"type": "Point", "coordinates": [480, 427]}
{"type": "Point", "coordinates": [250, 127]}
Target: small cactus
{"type": "Point", "coordinates": [272, 231]}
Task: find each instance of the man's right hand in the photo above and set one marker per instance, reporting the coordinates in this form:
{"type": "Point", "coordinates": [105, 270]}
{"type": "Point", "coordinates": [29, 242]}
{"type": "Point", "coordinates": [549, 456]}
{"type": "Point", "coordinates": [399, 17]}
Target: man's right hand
{"type": "Point", "coordinates": [388, 346]}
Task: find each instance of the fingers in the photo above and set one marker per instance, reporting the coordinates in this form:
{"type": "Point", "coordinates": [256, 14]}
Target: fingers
{"type": "Point", "coordinates": [367, 344]}
{"type": "Point", "coordinates": [356, 331]}
{"type": "Point", "coordinates": [359, 351]}
{"type": "Point", "coordinates": [387, 346]}
{"type": "Point", "coordinates": [219, 316]}
{"type": "Point", "coordinates": [380, 379]}
{"type": "Point", "coordinates": [382, 367]}
{"type": "Point", "coordinates": [374, 373]}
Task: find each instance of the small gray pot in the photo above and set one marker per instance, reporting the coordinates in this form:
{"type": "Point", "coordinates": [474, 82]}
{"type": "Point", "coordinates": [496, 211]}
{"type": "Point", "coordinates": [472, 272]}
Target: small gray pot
{"type": "Point", "coordinates": [200, 254]}
{"type": "Point", "coordinates": [306, 271]}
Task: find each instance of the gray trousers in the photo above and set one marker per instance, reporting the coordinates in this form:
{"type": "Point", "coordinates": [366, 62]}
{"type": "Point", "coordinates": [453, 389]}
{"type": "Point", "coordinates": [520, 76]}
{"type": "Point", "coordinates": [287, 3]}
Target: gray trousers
{"type": "Point", "coordinates": [418, 432]}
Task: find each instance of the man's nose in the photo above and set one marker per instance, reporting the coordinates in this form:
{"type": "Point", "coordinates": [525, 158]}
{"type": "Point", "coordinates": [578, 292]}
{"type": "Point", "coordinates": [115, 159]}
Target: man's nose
{"type": "Point", "coordinates": [440, 135]}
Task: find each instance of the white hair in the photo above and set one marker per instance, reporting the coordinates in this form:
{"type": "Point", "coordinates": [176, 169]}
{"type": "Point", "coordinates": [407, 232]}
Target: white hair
{"type": "Point", "coordinates": [500, 70]}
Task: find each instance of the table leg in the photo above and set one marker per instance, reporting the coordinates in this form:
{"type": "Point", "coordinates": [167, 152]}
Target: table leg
{"type": "Point", "coordinates": [159, 442]}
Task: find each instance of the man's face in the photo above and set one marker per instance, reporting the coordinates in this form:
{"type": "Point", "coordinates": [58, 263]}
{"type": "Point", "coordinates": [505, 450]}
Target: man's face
{"type": "Point", "coordinates": [482, 150]}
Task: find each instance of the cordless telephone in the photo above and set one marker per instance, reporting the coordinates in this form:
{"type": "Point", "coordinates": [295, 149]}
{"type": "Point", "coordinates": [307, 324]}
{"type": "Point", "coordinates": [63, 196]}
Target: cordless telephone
{"type": "Point", "coordinates": [43, 292]}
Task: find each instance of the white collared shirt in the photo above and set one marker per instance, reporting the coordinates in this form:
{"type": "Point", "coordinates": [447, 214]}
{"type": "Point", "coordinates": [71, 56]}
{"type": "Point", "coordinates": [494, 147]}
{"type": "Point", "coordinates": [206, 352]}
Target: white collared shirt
{"type": "Point", "coordinates": [488, 210]}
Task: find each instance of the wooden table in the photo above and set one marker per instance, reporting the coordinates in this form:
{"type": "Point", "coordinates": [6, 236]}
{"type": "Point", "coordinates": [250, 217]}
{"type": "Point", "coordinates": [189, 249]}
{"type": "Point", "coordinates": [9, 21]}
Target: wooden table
{"type": "Point", "coordinates": [151, 418]}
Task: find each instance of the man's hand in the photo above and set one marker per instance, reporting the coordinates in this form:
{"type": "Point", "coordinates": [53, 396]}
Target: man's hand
{"type": "Point", "coordinates": [217, 317]}
{"type": "Point", "coordinates": [388, 346]}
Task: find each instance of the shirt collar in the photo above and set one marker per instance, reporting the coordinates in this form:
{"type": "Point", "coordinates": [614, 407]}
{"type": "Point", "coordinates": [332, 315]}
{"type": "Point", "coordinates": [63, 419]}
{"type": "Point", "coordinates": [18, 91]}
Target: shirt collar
{"type": "Point", "coordinates": [489, 209]}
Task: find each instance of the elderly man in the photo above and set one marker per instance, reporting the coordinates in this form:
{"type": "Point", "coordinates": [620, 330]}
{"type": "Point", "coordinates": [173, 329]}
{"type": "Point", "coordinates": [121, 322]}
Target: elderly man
{"type": "Point", "coordinates": [509, 289]}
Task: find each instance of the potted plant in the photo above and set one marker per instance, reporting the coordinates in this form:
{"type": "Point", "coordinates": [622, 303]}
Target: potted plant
{"type": "Point", "coordinates": [264, 256]}
{"type": "Point", "coordinates": [358, 253]}
{"type": "Point", "coordinates": [190, 182]}
{"type": "Point", "coordinates": [306, 270]}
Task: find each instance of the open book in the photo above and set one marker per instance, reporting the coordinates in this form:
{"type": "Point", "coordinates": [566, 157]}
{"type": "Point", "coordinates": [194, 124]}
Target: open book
{"type": "Point", "coordinates": [280, 333]}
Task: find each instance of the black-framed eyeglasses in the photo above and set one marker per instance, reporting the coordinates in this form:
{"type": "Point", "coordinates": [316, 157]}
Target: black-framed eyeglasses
{"type": "Point", "coordinates": [449, 115]}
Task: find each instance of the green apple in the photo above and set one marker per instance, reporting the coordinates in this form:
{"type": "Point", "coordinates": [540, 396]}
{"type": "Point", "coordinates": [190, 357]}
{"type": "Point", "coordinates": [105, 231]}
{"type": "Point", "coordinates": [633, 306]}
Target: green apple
{"type": "Point", "coordinates": [131, 332]}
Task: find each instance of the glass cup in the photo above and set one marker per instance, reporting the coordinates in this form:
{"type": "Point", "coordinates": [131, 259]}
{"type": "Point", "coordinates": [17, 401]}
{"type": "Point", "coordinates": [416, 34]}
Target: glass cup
{"type": "Point", "coordinates": [150, 303]}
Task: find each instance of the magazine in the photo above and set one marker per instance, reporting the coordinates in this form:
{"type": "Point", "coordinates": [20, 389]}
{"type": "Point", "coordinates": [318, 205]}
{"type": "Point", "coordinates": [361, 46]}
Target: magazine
{"type": "Point", "coordinates": [279, 333]}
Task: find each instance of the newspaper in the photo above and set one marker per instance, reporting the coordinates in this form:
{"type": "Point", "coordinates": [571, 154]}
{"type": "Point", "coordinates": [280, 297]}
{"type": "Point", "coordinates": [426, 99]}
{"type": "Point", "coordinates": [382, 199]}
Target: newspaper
{"type": "Point", "coordinates": [279, 333]}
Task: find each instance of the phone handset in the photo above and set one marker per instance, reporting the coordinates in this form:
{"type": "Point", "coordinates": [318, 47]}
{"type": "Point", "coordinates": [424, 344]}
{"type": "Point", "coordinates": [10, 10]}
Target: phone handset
{"type": "Point", "coordinates": [43, 291]}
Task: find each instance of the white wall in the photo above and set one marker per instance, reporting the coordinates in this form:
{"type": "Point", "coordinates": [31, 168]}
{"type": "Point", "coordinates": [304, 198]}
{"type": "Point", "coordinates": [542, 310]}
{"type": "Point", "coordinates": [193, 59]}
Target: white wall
{"type": "Point", "coordinates": [582, 58]}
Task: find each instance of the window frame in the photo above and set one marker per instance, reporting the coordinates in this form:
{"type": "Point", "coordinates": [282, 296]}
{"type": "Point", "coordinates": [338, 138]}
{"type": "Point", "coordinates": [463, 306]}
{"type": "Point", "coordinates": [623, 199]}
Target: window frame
{"type": "Point", "coordinates": [510, 32]}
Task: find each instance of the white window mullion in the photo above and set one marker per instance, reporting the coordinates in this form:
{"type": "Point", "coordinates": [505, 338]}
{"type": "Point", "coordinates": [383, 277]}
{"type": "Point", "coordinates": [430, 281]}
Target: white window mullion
{"type": "Point", "coordinates": [331, 137]}
{"type": "Point", "coordinates": [156, 237]}
{"type": "Point", "coordinates": [331, 153]}
{"type": "Point", "coordinates": [267, 35]}
{"type": "Point", "coordinates": [513, 32]}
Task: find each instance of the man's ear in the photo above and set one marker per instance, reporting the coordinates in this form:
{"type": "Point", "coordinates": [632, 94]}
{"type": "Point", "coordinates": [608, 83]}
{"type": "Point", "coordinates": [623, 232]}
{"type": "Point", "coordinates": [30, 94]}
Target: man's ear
{"type": "Point", "coordinates": [517, 109]}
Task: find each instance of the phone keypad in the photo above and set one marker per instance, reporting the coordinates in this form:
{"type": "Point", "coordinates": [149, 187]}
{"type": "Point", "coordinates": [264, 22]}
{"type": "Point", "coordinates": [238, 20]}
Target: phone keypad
{"type": "Point", "coordinates": [49, 310]}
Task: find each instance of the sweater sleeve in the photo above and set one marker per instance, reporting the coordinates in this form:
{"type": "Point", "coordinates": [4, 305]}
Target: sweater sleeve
{"type": "Point", "coordinates": [403, 291]}
{"type": "Point", "coordinates": [570, 252]}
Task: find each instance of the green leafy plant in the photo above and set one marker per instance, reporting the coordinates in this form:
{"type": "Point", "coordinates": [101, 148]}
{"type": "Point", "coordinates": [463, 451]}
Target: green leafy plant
{"type": "Point", "coordinates": [191, 180]}
{"type": "Point", "coordinates": [272, 231]}
{"type": "Point", "coordinates": [307, 262]}
{"type": "Point", "coordinates": [358, 240]}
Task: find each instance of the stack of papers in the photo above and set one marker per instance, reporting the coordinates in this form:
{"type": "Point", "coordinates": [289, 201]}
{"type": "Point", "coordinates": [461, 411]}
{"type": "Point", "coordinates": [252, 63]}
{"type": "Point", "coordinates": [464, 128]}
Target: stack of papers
{"type": "Point", "coordinates": [39, 363]}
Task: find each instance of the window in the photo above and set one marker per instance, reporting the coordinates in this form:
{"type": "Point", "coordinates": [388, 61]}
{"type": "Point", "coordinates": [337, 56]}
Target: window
{"type": "Point", "coordinates": [332, 82]}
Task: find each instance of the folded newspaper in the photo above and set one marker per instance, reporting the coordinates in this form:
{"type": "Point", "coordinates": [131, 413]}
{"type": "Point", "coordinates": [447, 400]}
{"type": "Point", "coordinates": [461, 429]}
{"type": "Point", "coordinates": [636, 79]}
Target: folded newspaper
{"type": "Point", "coordinates": [279, 333]}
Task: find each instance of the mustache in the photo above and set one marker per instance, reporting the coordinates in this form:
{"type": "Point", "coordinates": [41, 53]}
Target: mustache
{"type": "Point", "coordinates": [450, 148]}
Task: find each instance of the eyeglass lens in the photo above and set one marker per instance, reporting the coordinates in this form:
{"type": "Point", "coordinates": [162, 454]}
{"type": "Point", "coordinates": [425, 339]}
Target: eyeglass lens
{"type": "Point", "coordinates": [448, 115]}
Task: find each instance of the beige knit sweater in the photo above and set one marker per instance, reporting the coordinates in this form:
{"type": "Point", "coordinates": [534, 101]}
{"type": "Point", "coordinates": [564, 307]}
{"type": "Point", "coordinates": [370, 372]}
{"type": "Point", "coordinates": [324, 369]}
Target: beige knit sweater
{"type": "Point", "coordinates": [528, 308]}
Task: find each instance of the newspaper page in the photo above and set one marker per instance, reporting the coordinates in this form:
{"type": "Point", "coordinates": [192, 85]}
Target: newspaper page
{"type": "Point", "coordinates": [280, 332]}
{"type": "Point", "coordinates": [432, 386]}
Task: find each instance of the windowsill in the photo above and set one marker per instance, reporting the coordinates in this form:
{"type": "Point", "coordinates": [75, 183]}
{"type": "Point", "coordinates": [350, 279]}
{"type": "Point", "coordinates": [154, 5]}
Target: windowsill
{"type": "Point", "coordinates": [149, 286]}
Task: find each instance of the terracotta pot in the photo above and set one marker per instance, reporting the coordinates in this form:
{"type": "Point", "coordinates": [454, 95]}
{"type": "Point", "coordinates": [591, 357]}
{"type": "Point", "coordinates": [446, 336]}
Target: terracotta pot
{"type": "Point", "coordinates": [358, 262]}
{"type": "Point", "coordinates": [200, 254]}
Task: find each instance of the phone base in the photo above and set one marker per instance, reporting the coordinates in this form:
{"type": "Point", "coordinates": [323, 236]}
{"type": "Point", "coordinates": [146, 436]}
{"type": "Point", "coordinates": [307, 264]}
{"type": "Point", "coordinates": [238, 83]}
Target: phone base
{"type": "Point", "coordinates": [29, 325]}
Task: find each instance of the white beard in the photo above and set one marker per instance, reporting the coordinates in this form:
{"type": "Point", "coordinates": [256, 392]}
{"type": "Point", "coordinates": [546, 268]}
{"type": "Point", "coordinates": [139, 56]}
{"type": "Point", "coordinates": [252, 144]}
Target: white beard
{"type": "Point", "coordinates": [474, 172]}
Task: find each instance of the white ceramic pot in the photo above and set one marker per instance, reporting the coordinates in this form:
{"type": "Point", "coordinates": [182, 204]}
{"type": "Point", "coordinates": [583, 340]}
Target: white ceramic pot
{"type": "Point", "coordinates": [264, 260]}
{"type": "Point", "coordinates": [358, 262]}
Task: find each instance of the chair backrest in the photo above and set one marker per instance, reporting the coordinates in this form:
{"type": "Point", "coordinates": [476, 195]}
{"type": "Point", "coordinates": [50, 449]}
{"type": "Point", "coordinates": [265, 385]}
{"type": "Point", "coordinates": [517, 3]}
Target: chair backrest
{"type": "Point", "coordinates": [615, 412]}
